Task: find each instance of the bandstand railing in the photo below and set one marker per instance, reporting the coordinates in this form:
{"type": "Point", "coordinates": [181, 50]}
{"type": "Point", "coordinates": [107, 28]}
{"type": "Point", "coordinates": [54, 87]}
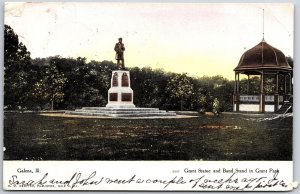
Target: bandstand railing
{"type": "Point", "coordinates": [256, 98]}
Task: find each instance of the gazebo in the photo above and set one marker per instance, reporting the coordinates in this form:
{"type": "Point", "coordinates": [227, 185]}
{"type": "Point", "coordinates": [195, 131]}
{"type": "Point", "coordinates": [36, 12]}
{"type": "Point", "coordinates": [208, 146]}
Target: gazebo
{"type": "Point", "coordinates": [267, 63]}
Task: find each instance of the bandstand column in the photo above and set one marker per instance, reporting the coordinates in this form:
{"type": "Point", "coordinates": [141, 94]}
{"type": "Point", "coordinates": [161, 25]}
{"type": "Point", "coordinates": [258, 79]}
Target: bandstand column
{"type": "Point", "coordinates": [237, 91]}
{"type": "Point", "coordinates": [276, 96]}
{"type": "Point", "coordinates": [262, 95]}
{"type": "Point", "coordinates": [234, 93]}
{"type": "Point", "coordinates": [290, 84]}
{"type": "Point", "coordinates": [248, 85]}
{"type": "Point", "coordinates": [284, 87]}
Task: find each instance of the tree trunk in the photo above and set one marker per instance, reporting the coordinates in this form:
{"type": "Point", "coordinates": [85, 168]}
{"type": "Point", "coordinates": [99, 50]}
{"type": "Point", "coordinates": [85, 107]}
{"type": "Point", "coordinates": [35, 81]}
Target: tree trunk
{"type": "Point", "coordinates": [181, 103]}
{"type": "Point", "coordinates": [52, 101]}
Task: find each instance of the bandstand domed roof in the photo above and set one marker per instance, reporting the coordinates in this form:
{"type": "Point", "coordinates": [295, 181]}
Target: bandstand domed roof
{"type": "Point", "coordinates": [263, 57]}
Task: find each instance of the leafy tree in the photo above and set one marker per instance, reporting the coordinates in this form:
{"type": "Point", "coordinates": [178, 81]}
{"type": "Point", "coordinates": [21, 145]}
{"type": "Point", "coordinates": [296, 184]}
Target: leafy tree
{"type": "Point", "coordinates": [98, 82]}
{"type": "Point", "coordinates": [223, 92]}
{"type": "Point", "coordinates": [215, 87]}
{"type": "Point", "coordinates": [86, 83]}
{"type": "Point", "coordinates": [51, 87]}
{"type": "Point", "coordinates": [216, 106]}
{"type": "Point", "coordinates": [17, 66]}
{"type": "Point", "coordinates": [148, 86]}
{"type": "Point", "coordinates": [179, 87]}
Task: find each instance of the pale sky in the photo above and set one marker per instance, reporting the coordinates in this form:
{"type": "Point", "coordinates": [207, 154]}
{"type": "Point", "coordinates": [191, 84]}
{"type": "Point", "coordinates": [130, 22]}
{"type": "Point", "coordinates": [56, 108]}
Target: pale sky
{"type": "Point", "coordinates": [200, 39]}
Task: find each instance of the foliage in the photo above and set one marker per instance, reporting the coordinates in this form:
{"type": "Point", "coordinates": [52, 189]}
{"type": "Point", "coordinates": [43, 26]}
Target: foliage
{"type": "Point", "coordinates": [17, 70]}
{"type": "Point", "coordinates": [215, 87]}
{"type": "Point", "coordinates": [253, 88]}
{"type": "Point", "coordinates": [179, 88]}
{"type": "Point", "coordinates": [148, 86]}
{"type": "Point", "coordinates": [216, 106]}
{"type": "Point", "coordinates": [84, 84]}
{"type": "Point", "coordinates": [51, 87]}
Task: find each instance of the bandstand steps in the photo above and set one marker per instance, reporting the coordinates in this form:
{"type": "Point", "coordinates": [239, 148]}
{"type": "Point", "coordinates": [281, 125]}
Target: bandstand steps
{"type": "Point", "coordinates": [286, 107]}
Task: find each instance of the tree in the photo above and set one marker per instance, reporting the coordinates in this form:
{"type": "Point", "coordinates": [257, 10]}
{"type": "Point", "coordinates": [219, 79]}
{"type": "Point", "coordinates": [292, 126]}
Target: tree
{"type": "Point", "coordinates": [216, 106]}
{"type": "Point", "coordinates": [51, 87]}
{"type": "Point", "coordinates": [180, 88]}
{"type": "Point", "coordinates": [215, 87]}
{"type": "Point", "coordinates": [98, 82]}
{"type": "Point", "coordinates": [17, 68]}
{"type": "Point", "coordinates": [86, 83]}
{"type": "Point", "coordinates": [148, 86]}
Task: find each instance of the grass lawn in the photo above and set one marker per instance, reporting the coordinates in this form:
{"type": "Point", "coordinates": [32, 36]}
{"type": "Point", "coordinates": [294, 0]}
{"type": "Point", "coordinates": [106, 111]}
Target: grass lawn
{"type": "Point", "coordinates": [30, 136]}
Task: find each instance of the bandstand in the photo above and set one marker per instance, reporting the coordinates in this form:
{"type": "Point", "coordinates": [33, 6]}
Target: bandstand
{"type": "Point", "coordinates": [268, 63]}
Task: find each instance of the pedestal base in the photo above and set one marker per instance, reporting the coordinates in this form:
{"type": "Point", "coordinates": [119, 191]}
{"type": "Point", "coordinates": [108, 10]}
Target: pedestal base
{"type": "Point", "coordinates": [120, 95]}
{"type": "Point", "coordinates": [121, 112]}
{"type": "Point", "coordinates": [118, 105]}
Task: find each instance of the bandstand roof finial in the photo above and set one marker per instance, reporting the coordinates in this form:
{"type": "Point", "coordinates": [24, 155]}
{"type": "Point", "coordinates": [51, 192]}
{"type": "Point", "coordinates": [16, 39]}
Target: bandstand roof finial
{"type": "Point", "coordinates": [263, 25]}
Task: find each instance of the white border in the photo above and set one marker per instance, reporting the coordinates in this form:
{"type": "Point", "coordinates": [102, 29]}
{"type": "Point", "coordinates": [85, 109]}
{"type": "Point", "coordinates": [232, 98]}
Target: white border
{"type": "Point", "coordinates": [149, 175]}
{"type": "Point", "coordinates": [296, 144]}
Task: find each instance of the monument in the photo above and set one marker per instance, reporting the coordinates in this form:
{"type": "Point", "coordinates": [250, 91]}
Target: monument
{"type": "Point", "coordinates": [120, 95]}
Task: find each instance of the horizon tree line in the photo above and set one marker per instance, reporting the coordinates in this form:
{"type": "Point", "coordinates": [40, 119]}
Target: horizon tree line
{"type": "Point", "coordinates": [66, 83]}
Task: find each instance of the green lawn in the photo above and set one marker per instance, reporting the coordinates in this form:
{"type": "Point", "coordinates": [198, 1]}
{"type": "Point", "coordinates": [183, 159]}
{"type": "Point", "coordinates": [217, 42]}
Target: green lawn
{"type": "Point", "coordinates": [30, 136]}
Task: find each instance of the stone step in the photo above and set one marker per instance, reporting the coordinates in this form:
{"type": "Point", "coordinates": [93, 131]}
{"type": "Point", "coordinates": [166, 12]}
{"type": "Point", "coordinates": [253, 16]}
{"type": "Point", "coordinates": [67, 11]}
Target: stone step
{"type": "Point", "coordinates": [143, 115]}
{"type": "Point", "coordinates": [85, 113]}
{"type": "Point", "coordinates": [117, 109]}
{"type": "Point", "coordinates": [121, 112]}
{"type": "Point", "coordinates": [136, 114]}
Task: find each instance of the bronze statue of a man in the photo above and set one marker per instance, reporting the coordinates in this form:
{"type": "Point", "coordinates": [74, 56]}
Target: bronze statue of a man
{"type": "Point", "coordinates": [120, 48]}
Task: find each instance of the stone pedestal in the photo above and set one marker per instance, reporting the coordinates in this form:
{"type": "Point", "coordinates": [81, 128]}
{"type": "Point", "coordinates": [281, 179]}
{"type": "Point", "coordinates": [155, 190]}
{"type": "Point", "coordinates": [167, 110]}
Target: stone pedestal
{"type": "Point", "coordinates": [120, 95]}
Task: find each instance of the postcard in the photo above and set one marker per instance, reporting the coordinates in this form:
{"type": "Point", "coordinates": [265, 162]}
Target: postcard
{"type": "Point", "coordinates": [148, 96]}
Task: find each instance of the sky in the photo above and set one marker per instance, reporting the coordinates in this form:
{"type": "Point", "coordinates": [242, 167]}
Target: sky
{"type": "Point", "coordinates": [195, 38]}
